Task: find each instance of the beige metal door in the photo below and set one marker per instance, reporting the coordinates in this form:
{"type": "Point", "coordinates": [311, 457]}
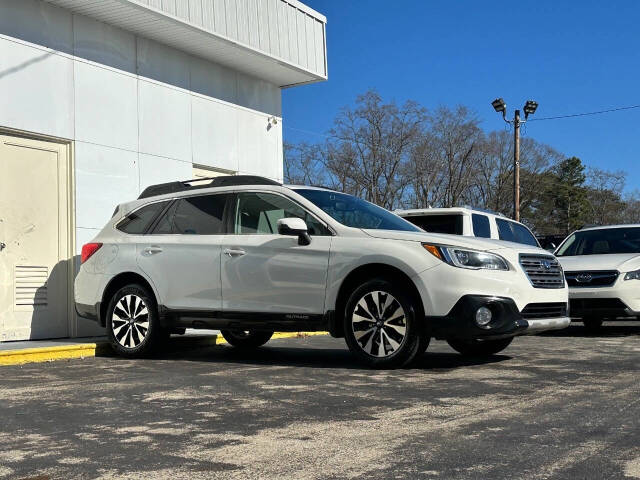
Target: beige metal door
{"type": "Point", "coordinates": [34, 236]}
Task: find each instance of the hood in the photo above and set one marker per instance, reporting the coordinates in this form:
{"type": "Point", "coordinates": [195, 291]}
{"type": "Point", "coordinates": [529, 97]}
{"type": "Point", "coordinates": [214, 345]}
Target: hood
{"type": "Point", "coordinates": [475, 243]}
{"type": "Point", "coordinates": [623, 262]}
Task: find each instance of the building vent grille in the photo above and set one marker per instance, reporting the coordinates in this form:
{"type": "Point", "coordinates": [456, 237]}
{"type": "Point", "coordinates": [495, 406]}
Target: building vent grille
{"type": "Point", "coordinates": [31, 286]}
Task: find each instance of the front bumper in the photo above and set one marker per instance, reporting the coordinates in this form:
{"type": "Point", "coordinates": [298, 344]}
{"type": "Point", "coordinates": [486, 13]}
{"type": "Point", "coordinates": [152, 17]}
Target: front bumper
{"type": "Point", "coordinates": [507, 321]}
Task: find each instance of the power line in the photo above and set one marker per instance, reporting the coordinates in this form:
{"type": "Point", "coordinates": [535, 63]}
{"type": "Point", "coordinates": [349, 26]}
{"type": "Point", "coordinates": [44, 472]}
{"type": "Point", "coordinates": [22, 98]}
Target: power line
{"type": "Point", "coordinates": [585, 114]}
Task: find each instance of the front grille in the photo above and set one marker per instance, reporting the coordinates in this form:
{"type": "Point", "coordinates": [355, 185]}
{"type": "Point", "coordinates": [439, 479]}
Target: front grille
{"type": "Point", "coordinates": [543, 271]}
{"type": "Point", "coordinates": [544, 310]}
{"type": "Point", "coordinates": [592, 278]}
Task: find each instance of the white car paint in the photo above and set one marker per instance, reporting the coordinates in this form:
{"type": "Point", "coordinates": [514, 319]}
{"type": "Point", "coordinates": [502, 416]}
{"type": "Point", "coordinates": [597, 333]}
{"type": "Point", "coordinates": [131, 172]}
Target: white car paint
{"type": "Point", "coordinates": [628, 291]}
{"type": "Point", "coordinates": [273, 274]}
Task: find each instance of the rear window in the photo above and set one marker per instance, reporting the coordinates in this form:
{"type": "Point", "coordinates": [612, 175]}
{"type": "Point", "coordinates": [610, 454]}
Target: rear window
{"type": "Point", "coordinates": [438, 223]}
{"type": "Point", "coordinates": [481, 226]}
{"type": "Point", "coordinates": [201, 215]}
{"type": "Point", "coordinates": [515, 232]}
{"type": "Point", "coordinates": [137, 222]}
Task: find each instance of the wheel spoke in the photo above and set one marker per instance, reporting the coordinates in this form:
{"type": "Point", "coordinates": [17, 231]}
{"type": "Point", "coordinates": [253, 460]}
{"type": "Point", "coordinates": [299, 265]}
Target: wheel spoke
{"type": "Point", "coordinates": [381, 350]}
{"type": "Point", "coordinates": [379, 324]}
{"type": "Point", "coordinates": [395, 314]}
{"type": "Point", "coordinates": [117, 329]}
{"type": "Point", "coordinates": [362, 307]}
{"type": "Point", "coordinates": [401, 329]}
{"type": "Point", "coordinates": [359, 335]}
{"type": "Point", "coordinates": [394, 345]}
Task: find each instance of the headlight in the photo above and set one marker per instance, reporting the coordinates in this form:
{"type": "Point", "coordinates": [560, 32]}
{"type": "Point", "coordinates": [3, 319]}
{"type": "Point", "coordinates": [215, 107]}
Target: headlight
{"type": "Point", "coordinates": [463, 258]}
{"type": "Point", "coordinates": [635, 275]}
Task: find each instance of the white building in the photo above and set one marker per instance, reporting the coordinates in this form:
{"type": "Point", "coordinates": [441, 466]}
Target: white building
{"type": "Point", "coordinates": [101, 98]}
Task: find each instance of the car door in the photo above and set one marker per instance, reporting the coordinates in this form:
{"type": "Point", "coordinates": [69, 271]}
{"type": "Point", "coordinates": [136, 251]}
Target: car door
{"type": "Point", "coordinates": [263, 271]}
{"type": "Point", "coordinates": [181, 254]}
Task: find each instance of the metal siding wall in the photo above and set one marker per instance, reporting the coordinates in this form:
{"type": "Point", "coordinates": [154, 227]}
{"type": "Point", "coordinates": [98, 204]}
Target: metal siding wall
{"type": "Point", "coordinates": [219, 17]}
{"type": "Point", "coordinates": [182, 9]}
{"type": "Point", "coordinates": [272, 13]}
{"type": "Point", "coordinates": [320, 48]}
{"type": "Point", "coordinates": [169, 6]}
{"type": "Point", "coordinates": [196, 15]}
{"type": "Point", "coordinates": [231, 18]}
{"type": "Point", "coordinates": [293, 33]}
{"type": "Point", "coordinates": [283, 30]}
{"type": "Point", "coordinates": [275, 27]}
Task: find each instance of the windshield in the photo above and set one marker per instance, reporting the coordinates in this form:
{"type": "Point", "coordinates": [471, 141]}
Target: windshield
{"type": "Point", "coordinates": [355, 212]}
{"type": "Point", "coordinates": [515, 232]}
{"type": "Point", "coordinates": [601, 242]}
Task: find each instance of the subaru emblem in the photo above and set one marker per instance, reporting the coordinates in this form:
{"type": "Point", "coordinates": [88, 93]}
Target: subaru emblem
{"type": "Point", "coordinates": [584, 278]}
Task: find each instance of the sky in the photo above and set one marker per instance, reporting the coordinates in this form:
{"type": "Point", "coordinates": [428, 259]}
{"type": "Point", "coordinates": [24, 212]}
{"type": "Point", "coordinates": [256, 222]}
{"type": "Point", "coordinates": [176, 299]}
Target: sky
{"type": "Point", "coordinates": [569, 56]}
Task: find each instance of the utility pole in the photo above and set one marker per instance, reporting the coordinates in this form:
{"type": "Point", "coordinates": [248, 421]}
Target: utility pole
{"type": "Point", "coordinates": [529, 108]}
{"type": "Point", "coordinates": [516, 166]}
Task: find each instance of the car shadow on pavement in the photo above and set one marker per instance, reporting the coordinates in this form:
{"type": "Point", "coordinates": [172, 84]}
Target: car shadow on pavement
{"type": "Point", "coordinates": [316, 358]}
{"type": "Point", "coordinates": [611, 329]}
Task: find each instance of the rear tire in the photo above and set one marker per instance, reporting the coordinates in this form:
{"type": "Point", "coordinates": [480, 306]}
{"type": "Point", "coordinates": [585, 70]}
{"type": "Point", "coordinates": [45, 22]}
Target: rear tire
{"type": "Point", "coordinates": [592, 325]}
{"type": "Point", "coordinates": [381, 325]}
{"type": "Point", "coordinates": [479, 348]}
{"type": "Point", "coordinates": [132, 322]}
{"type": "Point", "coordinates": [246, 339]}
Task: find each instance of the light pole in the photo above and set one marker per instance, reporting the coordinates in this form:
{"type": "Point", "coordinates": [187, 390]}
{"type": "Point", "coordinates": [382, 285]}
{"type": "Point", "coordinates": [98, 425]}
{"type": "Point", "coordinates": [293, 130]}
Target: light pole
{"type": "Point", "coordinates": [529, 109]}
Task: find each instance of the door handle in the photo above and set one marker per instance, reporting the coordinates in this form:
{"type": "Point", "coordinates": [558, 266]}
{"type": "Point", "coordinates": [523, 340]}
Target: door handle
{"type": "Point", "coordinates": [152, 250]}
{"type": "Point", "coordinates": [2, 246]}
{"type": "Point", "coordinates": [234, 252]}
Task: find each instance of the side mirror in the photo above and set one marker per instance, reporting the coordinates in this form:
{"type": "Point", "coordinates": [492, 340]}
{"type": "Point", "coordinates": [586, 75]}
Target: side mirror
{"type": "Point", "coordinates": [295, 227]}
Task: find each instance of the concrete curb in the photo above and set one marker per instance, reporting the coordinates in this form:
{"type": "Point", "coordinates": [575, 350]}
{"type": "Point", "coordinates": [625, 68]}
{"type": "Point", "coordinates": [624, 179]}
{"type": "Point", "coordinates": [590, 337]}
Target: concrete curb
{"type": "Point", "coordinates": [83, 350]}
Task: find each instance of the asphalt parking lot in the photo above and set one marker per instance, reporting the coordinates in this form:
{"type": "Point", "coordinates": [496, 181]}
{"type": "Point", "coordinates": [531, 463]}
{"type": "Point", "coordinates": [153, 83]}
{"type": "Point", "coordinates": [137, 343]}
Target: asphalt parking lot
{"type": "Point", "coordinates": [556, 406]}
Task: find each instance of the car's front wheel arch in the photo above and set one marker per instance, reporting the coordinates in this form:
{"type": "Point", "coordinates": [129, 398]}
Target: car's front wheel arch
{"type": "Point", "coordinates": [362, 274]}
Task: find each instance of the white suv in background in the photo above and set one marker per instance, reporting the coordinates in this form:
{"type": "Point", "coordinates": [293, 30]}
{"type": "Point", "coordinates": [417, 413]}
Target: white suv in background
{"type": "Point", "coordinates": [250, 256]}
{"type": "Point", "coordinates": [469, 222]}
{"type": "Point", "coordinates": [602, 267]}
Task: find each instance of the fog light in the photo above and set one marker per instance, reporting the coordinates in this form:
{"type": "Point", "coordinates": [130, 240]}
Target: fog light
{"type": "Point", "coordinates": [483, 316]}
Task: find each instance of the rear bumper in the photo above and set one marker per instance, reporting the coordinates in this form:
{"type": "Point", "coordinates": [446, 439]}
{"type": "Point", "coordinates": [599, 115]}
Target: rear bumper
{"type": "Point", "coordinates": [507, 321]}
{"type": "Point", "coordinates": [92, 312]}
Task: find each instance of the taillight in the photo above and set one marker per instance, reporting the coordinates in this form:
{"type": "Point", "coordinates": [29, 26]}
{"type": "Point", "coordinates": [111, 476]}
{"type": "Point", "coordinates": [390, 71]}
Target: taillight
{"type": "Point", "coordinates": [88, 250]}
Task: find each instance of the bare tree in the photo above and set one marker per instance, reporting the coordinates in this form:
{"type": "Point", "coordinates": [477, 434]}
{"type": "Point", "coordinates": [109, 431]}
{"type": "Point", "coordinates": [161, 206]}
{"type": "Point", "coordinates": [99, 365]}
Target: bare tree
{"type": "Point", "coordinates": [369, 148]}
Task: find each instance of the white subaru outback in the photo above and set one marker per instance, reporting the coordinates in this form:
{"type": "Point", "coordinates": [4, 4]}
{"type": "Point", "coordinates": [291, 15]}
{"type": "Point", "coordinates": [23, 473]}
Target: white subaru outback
{"type": "Point", "coordinates": [250, 256]}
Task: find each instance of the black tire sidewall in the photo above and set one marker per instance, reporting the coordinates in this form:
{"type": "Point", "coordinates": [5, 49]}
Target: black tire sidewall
{"type": "Point", "coordinates": [154, 335]}
{"type": "Point", "coordinates": [413, 344]}
{"type": "Point", "coordinates": [254, 339]}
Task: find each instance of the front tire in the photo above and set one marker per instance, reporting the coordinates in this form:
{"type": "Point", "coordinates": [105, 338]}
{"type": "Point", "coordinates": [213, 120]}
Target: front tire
{"type": "Point", "coordinates": [132, 322]}
{"type": "Point", "coordinates": [592, 325]}
{"type": "Point", "coordinates": [381, 325]}
{"type": "Point", "coordinates": [479, 348]}
{"type": "Point", "coordinates": [246, 339]}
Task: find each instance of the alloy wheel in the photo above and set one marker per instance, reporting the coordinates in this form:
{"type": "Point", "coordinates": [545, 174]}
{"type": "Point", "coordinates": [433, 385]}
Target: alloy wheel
{"type": "Point", "coordinates": [130, 321]}
{"type": "Point", "coordinates": [379, 324]}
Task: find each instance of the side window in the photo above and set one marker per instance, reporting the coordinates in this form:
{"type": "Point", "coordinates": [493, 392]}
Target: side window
{"type": "Point", "coordinates": [504, 230]}
{"type": "Point", "coordinates": [481, 226]}
{"type": "Point", "coordinates": [438, 223]}
{"type": "Point", "coordinates": [258, 213]}
{"type": "Point", "coordinates": [201, 215]}
{"type": "Point", "coordinates": [137, 222]}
